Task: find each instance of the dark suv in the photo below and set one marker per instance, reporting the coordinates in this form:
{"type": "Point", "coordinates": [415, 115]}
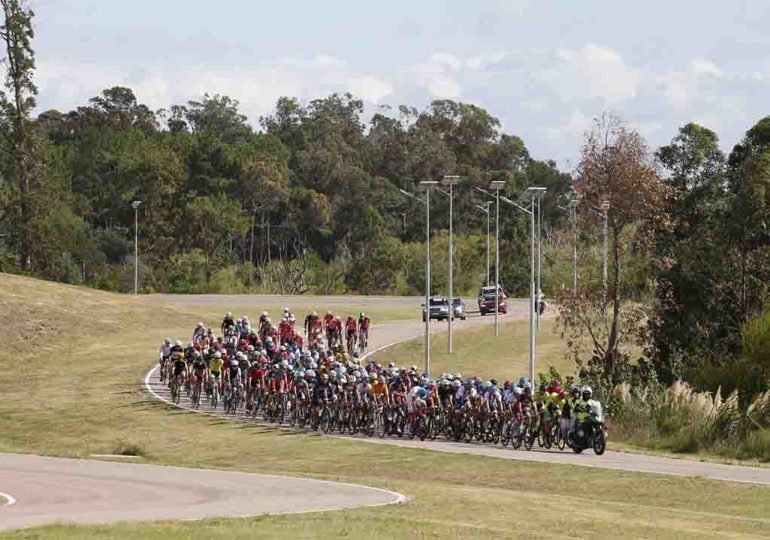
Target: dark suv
{"type": "Point", "coordinates": [487, 301]}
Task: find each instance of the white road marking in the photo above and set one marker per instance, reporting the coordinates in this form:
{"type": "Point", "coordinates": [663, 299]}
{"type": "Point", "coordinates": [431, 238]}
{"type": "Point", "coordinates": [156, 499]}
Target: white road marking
{"type": "Point", "coordinates": [10, 501]}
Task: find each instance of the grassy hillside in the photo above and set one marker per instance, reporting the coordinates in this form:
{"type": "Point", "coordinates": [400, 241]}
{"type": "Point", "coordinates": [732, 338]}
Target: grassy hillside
{"type": "Point", "coordinates": [85, 353]}
{"type": "Point", "coordinates": [476, 351]}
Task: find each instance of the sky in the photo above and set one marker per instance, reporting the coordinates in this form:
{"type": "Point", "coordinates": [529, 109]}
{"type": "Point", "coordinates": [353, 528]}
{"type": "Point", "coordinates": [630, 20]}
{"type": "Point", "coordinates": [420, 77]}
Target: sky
{"type": "Point", "coordinates": [544, 68]}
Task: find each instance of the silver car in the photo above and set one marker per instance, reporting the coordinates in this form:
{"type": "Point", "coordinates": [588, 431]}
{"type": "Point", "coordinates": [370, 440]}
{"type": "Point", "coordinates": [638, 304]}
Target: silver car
{"type": "Point", "coordinates": [458, 308]}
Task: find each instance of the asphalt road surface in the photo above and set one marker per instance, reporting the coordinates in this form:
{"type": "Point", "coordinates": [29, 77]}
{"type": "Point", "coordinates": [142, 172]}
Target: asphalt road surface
{"type": "Point", "coordinates": [41, 490]}
{"type": "Point", "coordinates": [386, 334]}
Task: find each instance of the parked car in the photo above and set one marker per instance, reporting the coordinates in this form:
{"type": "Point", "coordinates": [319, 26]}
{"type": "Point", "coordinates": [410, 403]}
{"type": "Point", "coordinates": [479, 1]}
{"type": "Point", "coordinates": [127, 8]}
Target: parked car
{"type": "Point", "coordinates": [458, 308]}
{"type": "Point", "coordinates": [487, 301]}
{"type": "Point", "coordinates": [439, 309]}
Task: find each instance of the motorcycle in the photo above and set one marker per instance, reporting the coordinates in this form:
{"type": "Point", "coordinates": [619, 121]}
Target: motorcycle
{"type": "Point", "coordinates": [591, 433]}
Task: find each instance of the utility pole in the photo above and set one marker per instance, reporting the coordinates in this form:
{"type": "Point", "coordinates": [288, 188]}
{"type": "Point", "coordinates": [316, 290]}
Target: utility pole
{"type": "Point", "coordinates": [135, 206]}
{"type": "Point", "coordinates": [451, 181]}
{"type": "Point", "coordinates": [539, 248]}
{"type": "Point", "coordinates": [427, 186]}
{"type": "Point", "coordinates": [534, 193]}
{"type": "Point", "coordinates": [496, 186]}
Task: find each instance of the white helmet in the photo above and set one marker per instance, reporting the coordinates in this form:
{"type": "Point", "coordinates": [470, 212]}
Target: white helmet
{"type": "Point", "coordinates": [178, 343]}
{"type": "Point", "coordinates": [217, 354]}
{"type": "Point", "coordinates": [200, 324]}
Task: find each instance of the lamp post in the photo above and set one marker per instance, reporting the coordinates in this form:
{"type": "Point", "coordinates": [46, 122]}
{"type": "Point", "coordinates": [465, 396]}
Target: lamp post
{"type": "Point", "coordinates": [572, 205]}
{"type": "Point", "coordinates": [485, 209]}
{"type": "Point", "coordinates": [426, 186]}
{"type": "Point", "coordinates": [496, 186]}
{"type": "Point", "coordinates": [534, 193]}
{"type": "Point", "coordinates": [135, 206]}
{"type": "Point", "coordinates": [451, 181]}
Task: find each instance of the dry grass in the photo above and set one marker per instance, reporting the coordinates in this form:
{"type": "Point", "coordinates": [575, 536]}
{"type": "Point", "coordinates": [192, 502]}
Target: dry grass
{"type": "Point", "coordinates": [476, 351]}
{"type": "Point", "coordinates": [100, 345]}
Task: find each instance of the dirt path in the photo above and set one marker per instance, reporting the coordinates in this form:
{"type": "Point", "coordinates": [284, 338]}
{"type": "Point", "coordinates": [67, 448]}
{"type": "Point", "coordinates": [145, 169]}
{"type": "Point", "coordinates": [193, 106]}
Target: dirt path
{"type": "Point", "coordinates": [42, 490]}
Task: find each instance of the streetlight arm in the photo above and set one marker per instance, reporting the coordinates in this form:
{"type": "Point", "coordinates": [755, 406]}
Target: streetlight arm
{"type": "Point", "coordinates": [509, 201]}
{"type": "Point", "coordinates": [411, 196]}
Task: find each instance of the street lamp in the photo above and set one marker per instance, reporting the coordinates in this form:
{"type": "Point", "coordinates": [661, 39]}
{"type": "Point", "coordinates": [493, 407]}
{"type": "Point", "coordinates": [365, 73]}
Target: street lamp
{"type": "Point", "coordinates": [534, 194]}
{"type": "Point", "coordinates": [485, 209]}
{"type": "Point", "coordinates": [496, 186]}
{"type": "Point", "coordinates": [427, 186]}
{"type": "Point", "coordinates": [451, 181]}
{"type": "Point", "coordinates": [135, 206]}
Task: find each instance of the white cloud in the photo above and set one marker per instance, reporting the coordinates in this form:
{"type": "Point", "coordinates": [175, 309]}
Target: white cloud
{"type": "Point", "coordinates": [65, 84]}
{"type": "Point", "coordinates": [369, 88]}
{"type": "Point", "coordinates": [592, 71]}
{"type": "Point", "coordinates": [439, 76]}
{"type": "Point", "coordinates": [701, 66]}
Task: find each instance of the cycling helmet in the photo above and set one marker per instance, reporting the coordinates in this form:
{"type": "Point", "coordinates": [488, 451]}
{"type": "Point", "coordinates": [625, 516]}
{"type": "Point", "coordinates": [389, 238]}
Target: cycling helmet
{"type": "Point", "coordinates": [310, 373]}
{"type": "Point", "coordinates": [361, 315]}
{"type": "Point", "coordinates": [381, 379]}
{"type": "Point", "coordinates": [285, 364]}
{"type": "Point", "coordinates": [422, 392]}
{"type": "Point", "coordinates": [167, 341]}
{"type": "Point", "coordinates": [456, 383]}
{"type": "Point", "coordinates": [372, 376]}
{"type": "Point", "coordinates": [587, 393]}
{"type": "Point", "coordinates": [391, 365]}
{"type": "Point", "coordinates": [517, 391]}
{"type": "Point", "coordinates": [523, 381]}
{"type": "Point", "coordinates": [493, 382]}
{"type": "Point", "coordinates": [250, 348]}
{"type": "Point", "coordinates": [178, 343]}
{"type": "Point", "coordinates": [217, 354]}
{"type": "Point", "coordinates": [200, 324]}
{"type": "Point", "coordinates": [458, 376]}
{"type": "Point", "coordinates": [542, 388]}
{"type": "Point", "coordinates": [574, 390]}
{"type": "Point", "coordinates": [196, 354]}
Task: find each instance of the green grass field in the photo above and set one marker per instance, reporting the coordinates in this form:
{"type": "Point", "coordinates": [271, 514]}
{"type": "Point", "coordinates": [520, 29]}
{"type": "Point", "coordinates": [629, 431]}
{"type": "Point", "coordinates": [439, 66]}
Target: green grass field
{"type": "Point", "coordinates": [476, 351]}
{"type": "Point", "coordinates": [100, 345]}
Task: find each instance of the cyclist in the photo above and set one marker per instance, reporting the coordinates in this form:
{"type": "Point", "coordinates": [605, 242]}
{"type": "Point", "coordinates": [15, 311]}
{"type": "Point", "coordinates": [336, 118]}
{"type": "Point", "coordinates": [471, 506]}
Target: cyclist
{"type": "Point", "coordinates": [363, 329]}
{"type": "Point", "coordinates": [215, 369]}
{"type": "Point", "coordinates": [164, 353]}
{"type": "Point", "coordinates": [227, 322]}
{"type": "Point", "coordinates": [178, 368]}
{"type": "Point", "coordinates": [351, 331]}
{"type": "Point", "coordinates": [198, 370]}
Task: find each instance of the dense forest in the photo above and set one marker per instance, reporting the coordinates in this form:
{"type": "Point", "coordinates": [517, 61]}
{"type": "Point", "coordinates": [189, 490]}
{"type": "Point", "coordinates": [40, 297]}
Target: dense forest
{"type": "Point", "coordinates": [308, 203]}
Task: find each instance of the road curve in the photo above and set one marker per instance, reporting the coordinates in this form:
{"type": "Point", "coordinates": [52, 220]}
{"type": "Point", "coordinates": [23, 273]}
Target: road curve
{"type": "Point", "coordinates": [388, 334]}
{"type": "Point", "coordinates": [48, 490]}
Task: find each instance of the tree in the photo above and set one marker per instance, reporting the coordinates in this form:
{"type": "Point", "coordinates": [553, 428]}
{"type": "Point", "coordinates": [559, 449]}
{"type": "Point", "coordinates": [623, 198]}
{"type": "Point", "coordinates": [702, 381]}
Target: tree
{"type": "Point", "coordinates": [616, 169]}
{"type": "Point", "coordinates": [690, 317]}
{"type": "Point", "coordinates": [17, 34]}
{"type": "Point", "coordinates": [213, 221]}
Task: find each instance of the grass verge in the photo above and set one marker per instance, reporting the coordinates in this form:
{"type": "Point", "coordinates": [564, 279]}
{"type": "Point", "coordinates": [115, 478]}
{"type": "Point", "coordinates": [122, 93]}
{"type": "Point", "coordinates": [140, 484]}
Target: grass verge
{"type": "Point", "coordinates": [476, 351]}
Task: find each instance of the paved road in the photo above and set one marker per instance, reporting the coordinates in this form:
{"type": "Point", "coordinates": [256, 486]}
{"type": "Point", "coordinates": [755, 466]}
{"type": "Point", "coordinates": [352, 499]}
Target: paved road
{"type": "Point", "coordinates": [45, 490]}
{"type": "Point", "coordinates": [395, 332]}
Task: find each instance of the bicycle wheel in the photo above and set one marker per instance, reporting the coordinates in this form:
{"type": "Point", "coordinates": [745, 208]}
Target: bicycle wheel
{"type": "Point", "coordinates": [505, 433]}
{"type": "Point", "coordinates": [529, 438]}
{"type": "Point", "coordinates": [325, 420]}
{"type": "Point", "coordinates": [561, 442]}
{"type": "Point", "coordinates": [379, 424]}
{"type": "Point", "coordinates": [281, 411]}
